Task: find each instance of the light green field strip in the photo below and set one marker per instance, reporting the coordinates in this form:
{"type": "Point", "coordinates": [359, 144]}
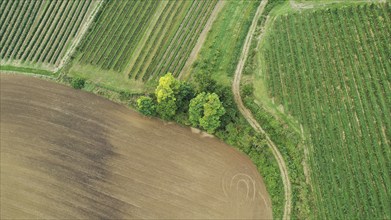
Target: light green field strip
{"type": "Point", "coordinates": [166, 15]}
{"type": "Point", "coordinates": [26, 70]}
{"type": "Point", "coordinates": [162, 36]}
{"type": "Point", "coordinates": [146, 34]}
{"type": "Point", "coordinates": [180, 52]}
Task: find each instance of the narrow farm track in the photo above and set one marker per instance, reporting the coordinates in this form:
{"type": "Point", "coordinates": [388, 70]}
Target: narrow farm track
{"type": "Point", "coordinates": [250, 118]}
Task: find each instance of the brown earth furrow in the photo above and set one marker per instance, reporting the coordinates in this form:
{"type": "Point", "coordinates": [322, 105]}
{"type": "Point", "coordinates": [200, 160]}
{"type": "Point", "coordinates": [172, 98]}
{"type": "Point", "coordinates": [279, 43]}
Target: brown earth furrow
{"type": "Point", "coordinates": [71, 154]}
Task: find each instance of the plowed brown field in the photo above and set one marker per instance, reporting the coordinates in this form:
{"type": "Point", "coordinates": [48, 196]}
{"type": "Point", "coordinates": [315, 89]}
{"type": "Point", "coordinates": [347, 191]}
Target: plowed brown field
{"type": "Point", "coordinates": [70, 154]}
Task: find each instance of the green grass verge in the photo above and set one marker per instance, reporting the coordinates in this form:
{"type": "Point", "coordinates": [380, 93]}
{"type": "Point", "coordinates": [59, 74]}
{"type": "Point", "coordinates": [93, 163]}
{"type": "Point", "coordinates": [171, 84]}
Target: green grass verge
{"type": "Point", "coordinates": [27, 70]}
{"type": "Point", "coordinates": [108, 78]}
{"type": "Point", "coordinates": [221, 50]}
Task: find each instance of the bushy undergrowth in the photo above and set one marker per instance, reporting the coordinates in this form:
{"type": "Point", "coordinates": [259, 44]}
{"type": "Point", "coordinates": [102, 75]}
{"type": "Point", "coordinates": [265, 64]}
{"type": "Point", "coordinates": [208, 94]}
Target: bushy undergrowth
{"type": "Point", "coordinates": [290, 145]}
{"type": "Point", "coordinates": [78, 83]}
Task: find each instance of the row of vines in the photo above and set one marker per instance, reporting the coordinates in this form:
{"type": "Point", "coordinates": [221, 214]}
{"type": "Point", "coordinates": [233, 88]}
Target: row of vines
{"type": "Point", "coordinates": [116, 32]}
{"type": "Point", "coordinates": [172, 51]}
{"type": "Point", "coordinates": [113, 41]}
{"type": "Point", "coordinates": [331, 69]}
{"type": "Point", "coordinates": [39, 31]}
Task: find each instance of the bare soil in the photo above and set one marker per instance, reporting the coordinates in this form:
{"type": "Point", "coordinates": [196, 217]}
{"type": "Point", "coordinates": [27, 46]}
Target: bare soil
{"type": "Point", "coordinates": [70, 154]}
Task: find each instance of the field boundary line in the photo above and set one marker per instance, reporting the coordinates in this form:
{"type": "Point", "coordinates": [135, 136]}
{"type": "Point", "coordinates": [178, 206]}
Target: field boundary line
{"type": "Point", "coordinates": [80, 35]}
{"type": "Point", "coordinates": [313, 4]}
{"type": "Point", "coordinates": [201, 39]}
{"type": "Point", "coordinates": [250, 118]}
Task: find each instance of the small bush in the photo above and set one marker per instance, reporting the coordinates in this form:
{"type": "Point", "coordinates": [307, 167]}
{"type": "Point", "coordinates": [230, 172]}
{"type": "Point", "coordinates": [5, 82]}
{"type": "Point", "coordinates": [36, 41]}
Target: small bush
{"type": "Point", "coordinates": [146, 105]}
{"type": "Point", "coordinates": [78, 83]}
{"type": "Point", "coordinates": [124, 95]}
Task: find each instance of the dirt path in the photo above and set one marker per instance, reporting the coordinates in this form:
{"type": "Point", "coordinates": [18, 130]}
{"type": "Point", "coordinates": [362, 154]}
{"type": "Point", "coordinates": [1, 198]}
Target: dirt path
{"type": "Point", "coordinates": [250, 118]}
{"type": "Point", "coordinates": [202, 38]}
{"type": "Point", "coordinates": [79, 36]}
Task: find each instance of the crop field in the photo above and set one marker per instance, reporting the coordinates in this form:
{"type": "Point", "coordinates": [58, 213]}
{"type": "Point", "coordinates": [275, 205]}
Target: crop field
{"type": "Point", "coordinates": [300, 89]}
{"type": "Point", "coordinates": [331, 69]}
{"type": "Point", "coordinates": [144, 39]}
{"type": "Point", "coordinates": [221, 51]}
{"type": "Point", "coordinates": [40, 31]}
{"type": "Point", "coordinates": [60, 158]}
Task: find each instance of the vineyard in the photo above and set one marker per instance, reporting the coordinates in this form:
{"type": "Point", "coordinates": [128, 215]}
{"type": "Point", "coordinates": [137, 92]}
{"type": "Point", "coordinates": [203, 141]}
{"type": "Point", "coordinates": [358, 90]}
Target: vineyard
{"type": "Point", "coordinates": [144, 39]}
{"type": "Point", "coordinates": [331, 69]}
{"type": "Point", "coordinates": [40, 31]}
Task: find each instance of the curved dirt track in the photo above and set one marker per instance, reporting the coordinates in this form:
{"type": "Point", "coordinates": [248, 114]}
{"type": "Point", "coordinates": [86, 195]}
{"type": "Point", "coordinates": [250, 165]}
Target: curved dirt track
{"type": "Point", "coordinates": [252, 121]}
{"type": "Point", "coordinates": [70, 154]}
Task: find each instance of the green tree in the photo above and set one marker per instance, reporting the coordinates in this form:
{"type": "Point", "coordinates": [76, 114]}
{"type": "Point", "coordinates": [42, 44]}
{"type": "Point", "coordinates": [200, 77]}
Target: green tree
{"type": "Point", "coordinates": [167, 89]}
{"type": "Point", "coordinates": [196, 109]}
{"type": "Point", "coordinates": [213, 110]}
{"type": "Point", "coordinates": [167, 109]}
{"type": "Point", "coordinates": [205, 111]}
{"type": "Point", "coordinates": [184, 95]}
{"type": "Point", "coordinates": [204, 82]}
{"type": "Point", "coordinates": [78, 83]}
{"type": "Point", "coordinates": [166, 93]}
{"type": "Point", "coordinates": [146, 106]}
{"type": "Point", "coordinates": [226, 97]}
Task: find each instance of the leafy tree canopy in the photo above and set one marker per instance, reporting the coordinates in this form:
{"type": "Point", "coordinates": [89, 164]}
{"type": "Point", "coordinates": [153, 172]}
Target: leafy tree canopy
{"type": "Point", "coordinates": [205, 111]}
{"type": "Point", "coordinates": [166, 93]}
{"type": "Point", "coordinates": [196, 109]}
{"type": "Point", "coordinates": [167, 89]}
{"type": "Point", "coordinates": [167, 109]}
{"type": "Point", "coordinates": [146, 106]}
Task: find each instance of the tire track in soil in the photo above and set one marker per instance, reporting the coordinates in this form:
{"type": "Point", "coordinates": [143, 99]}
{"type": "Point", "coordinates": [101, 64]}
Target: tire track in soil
{"type": "Point", "coordinates": [250, 118]}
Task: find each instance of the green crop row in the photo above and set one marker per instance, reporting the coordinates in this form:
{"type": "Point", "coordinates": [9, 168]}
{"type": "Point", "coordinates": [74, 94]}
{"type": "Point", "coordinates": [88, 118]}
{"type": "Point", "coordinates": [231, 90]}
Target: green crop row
{"type": "Point", "coordinates": [39, 31]}
{"type": "Point", "coordinates": [177, 53]}
{"type": "Point", "coordinates": [13, 27]}
{"type": "Point", "coordinates": [159, 39]}
{"type": "Point", "coordinates": [115, 33]}
{"type": "Point", "coordinates": [174, 27]}
{"type": "Point", "coordinates": [70, 33]}
{"type": "Point", "coordinates": [330, 68]}
{"type": "Point", "coordinates": [116, 40]}
{"type": "Point", "coordinates": [25, 24]}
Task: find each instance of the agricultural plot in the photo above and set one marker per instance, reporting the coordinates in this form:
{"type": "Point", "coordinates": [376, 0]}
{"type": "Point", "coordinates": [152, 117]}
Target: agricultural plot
{"type": "Point", "coordinates": [40, 31]}
{"type": "Point", "coordinates": [331, 69]}
{"type": "Point", "coordinates": [63, 159]}
{"type": "Point", "coordinates": [144, 39]}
